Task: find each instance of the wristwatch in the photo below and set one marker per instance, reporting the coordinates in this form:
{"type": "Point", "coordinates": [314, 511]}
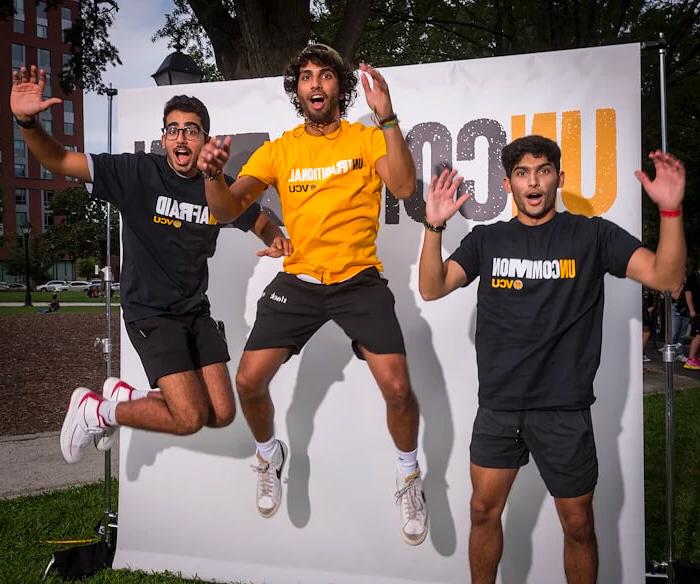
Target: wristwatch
{"type": "Point", "coordinates": [26, 124]}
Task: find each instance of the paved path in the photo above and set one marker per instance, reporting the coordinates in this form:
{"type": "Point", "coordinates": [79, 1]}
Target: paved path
{"type": "Point", "coordinates": [32, 463]}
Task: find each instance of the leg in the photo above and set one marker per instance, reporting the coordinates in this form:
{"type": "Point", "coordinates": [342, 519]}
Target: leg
{"type": "Point", "coordinates": [181, 409]}
{"type": "Point", "coordinates": [580, 545]}
{"type": "Point", "coordinates": [216, 382]}
{"type": "Point", "coordinates": [255, 371]}
{"type": "Point", "coordinates": [490, 489]}
{"type": "Point", "coordinates": [391, 373]}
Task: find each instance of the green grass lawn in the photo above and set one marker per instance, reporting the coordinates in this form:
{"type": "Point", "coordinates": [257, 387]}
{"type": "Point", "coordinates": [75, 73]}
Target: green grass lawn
{"type": "Point", "coordinates": [687, 478]}
{"type": "Point", "coordinates": [26, 523]}
{"type": "Point", "coordinates": [66, 296]}
{"type": "Point", "coordinates": [14, 310]}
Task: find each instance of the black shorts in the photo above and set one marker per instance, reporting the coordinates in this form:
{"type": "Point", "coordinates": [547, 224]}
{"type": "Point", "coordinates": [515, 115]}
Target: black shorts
{"type": "Point", "coordinates": [561, 442]}
{"type": "Point", "coordinates": [291, 310]}
{"type": "Point", "coordinates": [173, 343]}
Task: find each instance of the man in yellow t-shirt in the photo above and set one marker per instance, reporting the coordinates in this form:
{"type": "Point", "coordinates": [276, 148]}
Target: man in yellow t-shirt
{"type": "Point", "coordinates": [329, 174]}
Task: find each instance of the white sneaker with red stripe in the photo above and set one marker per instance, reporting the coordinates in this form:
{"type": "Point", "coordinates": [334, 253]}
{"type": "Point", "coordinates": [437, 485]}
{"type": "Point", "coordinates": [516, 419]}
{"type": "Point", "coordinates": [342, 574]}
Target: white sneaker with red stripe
{"type": "Point", "coordinates": [113, 389]}
{"type": "Point", "coordinates": [81, 424]}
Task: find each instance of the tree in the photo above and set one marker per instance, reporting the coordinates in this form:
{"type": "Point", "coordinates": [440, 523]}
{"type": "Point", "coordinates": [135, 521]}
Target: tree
{"type": "Point", "coordinates": [82, 233]}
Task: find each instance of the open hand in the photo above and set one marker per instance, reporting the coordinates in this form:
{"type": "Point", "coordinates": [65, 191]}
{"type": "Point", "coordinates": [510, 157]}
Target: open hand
{"type": "Point", "coordinates": [668, 187]}
{"type": "Point", "coordinates": [27, 95]}
{"type": "Point", "coordinates": [377, 95]}
{"type": "Point", "coordinates": [280, 246]}
{"type": "Point", "coordinates": [214, 155]}
{"type": "Point", "coordinates": [441, 204]}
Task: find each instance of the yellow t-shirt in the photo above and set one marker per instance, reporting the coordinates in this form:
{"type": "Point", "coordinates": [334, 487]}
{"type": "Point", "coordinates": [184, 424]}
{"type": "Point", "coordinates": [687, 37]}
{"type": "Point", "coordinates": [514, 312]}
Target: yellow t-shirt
{"type": "Point", "coordinates": [330, 194]}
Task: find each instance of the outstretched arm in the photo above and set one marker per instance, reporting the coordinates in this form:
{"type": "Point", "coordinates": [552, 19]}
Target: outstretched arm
{"type": "Point", "coordinates": [277, 244]}
{"type": "Point", "coordinates": [396, 169]}
{"type": "Point", "coordinates": [664, 269]}
{"type": "Point", "coordinates": [225, 202]}
{"type": "Point", "coordinates": [435, 277]}
{"type": "Point", "coordinates": [26, 102]}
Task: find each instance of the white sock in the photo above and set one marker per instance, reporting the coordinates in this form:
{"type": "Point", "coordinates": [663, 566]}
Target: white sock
{"type": "Point", "coordinates": [139, 394]}
{"type": "Point", "coordinates": [108, 411]}
{"type": "Point", "coordinates": [408, 462]}
{"type": "Point", "coordinates": [267, 449]}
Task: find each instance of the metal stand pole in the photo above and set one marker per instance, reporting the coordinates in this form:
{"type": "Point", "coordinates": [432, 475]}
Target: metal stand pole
{"type": "Point", "coordinates": [109, 518]}
{"type": "Point", "coordinates": [668, 351]}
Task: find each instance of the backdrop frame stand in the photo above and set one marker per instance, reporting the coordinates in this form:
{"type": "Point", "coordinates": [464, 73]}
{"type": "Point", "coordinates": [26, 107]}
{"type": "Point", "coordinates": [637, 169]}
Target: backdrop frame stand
{"type": "Point", "coordinates": [108, 523]}
{"type": "Point", "coordinates": [668, 351]}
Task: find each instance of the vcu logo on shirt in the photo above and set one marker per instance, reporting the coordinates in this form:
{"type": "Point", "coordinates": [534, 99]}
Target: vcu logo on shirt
{"type": "Point", "coordinates": [509, 273]}
{"type": "Point", "coordinates": [173, 213]}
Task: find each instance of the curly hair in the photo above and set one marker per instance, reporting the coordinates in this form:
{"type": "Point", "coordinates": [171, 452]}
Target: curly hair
{"type": "Point", "coordinates": [190, 105]}
{"type": "Point", "coordinates": [322, 55]}
{"type": "Point", "coordinates": [538, 146]}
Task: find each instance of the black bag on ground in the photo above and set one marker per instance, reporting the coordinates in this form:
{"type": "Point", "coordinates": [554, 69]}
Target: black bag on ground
{"type": "Point", "coordinates": [78, 562]}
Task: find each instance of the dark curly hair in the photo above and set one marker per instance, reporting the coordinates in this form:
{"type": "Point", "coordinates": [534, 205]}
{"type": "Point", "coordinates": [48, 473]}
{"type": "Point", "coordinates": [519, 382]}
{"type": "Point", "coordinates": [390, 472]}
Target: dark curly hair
{"type": "Point", "coordinates": [325, 56]}
{"type": "Point", "coordinates": [191, 105]}
{"type": "Point", "coordinates": [538, 146]}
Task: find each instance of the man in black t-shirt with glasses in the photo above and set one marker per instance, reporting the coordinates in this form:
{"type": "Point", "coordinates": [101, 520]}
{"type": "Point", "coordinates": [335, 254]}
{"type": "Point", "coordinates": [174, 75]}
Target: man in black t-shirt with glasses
{"type": "Point", "coordinates": [540, 301]}
{"type": "Point", "coordinates": [168, 234]}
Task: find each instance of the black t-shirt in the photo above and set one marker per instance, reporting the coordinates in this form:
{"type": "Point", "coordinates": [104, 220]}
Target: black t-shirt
{"type": "Point", "coordinates": [540, 307]}
{"type": "Point", "coordinates": [167, 233]}
{"type": "Point", "coordinates": [692, 285]}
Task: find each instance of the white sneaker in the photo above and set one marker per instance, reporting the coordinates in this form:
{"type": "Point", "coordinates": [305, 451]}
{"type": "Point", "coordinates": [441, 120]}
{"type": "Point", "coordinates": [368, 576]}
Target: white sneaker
{"type": "Point", "coordinates": [113, 389]}
{"type": "Point", "coordinates": [269, 493]}
{"type": "Point", "coordinates": [82, 422]}
{"type": "Point", "coordinates": [414, 514]}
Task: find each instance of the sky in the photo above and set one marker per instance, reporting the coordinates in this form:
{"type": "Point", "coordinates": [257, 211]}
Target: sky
{"type": "Point", "coordinates": [131, 33]}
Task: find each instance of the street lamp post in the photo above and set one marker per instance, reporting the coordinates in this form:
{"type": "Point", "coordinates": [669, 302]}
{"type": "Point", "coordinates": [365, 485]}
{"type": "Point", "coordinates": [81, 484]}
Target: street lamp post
{"type": "Point", "coordinates": [26, 230]}
{"type": "Point", "coordinates": [178, 68]}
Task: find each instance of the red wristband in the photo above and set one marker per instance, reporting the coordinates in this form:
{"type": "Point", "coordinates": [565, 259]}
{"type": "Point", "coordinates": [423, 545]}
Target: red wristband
{"type": "Point", "coordinates": [670, 213]}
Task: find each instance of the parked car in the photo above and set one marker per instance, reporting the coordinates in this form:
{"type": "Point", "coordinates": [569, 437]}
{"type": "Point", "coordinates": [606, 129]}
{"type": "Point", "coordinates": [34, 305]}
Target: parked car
{"type": "Point", "coordinates": [96, 288]}
{"type": "Point", "coordinates": [4, 286]}
{"type": "Point", "coordinates": [16, 286]}
{"type": "Point", "coordinates": [53, 286]}
{"type": "Point", "coordinates": [78, 285]}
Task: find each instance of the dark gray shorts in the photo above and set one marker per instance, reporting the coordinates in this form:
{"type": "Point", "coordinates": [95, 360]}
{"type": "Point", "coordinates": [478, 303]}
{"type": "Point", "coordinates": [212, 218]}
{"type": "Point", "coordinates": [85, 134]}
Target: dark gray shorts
{"type": "Point", "coordinates": [561, 442]}
{"type": "Point", "coordinates": [173, 343]}
{"type": "Point", "coordinates": [291, 310]}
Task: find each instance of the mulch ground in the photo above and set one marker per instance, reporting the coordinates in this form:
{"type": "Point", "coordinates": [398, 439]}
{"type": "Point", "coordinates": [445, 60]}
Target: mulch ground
{"type": "Point", "coordinates": [43, 358]}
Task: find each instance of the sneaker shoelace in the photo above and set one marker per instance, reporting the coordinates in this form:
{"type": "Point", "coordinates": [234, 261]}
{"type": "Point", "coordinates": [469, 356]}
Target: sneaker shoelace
{"type": "Point", "coordinates": [266, 480]}
{"type": "Point", "coordinates": [409, 499]}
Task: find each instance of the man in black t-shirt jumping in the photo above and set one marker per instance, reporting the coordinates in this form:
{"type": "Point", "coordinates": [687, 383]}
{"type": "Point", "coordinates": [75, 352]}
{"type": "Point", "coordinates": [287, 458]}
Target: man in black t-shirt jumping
{"type": "Point", "coordinates": [540, 301]}
{"type": "Point", "coordinates": [168, 234]}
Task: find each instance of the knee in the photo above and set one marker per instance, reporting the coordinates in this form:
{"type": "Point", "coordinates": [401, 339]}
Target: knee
{"type": "Point", "coordinates": [397, 392]}
{"type": "Point", "coordinates": [578, 526]}
{"type": "Point", "coordinates": [222, 417]}
{"type": "Point", "coordinates": [484, 511]}
{"type": "Point", "coordinates": [190, 422]}
{"type": "Point", "coordinates": [248, 385]}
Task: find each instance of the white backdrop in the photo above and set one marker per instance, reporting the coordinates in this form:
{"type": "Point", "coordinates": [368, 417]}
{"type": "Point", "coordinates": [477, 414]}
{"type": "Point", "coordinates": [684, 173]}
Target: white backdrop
{"type": "Point", "coordinates": [188, 504]}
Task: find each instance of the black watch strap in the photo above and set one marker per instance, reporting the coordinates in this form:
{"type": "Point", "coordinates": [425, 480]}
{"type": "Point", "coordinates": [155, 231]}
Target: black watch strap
{"type": "Point", "coordinates": [26, 124]}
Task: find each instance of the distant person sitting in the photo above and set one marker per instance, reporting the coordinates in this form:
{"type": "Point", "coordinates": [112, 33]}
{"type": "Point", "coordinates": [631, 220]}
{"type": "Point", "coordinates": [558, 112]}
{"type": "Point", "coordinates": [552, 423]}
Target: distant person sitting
{"type": "Point", "coordinates": [54, 305]}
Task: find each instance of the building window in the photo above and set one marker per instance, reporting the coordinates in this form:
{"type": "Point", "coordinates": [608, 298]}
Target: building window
{"type": "Point", "coordinates": [20, 158]}
{"type": "Point", "coordinates": [68, 118]}
{"type": "Point", "coordinates": [21, 197]}
{"type": "Point", "coordinates": [43, 57]}
{"type": "Point", "coordinates": [18, 22]}
{"type": "Point", "coordinates": [45, 119]}
{"type": "Point", "coordinates": [42, 21]}
{"type": "Point", "coordinates": [66, 21]}
{"type": "Point", "coordinates": [18, 56]}
{"type": "Point", "coordinates": [47, 211]}
{"type": "Point", "coordinates": [20, 219]}
{"type": "Point", "coordinates": [45, 172]}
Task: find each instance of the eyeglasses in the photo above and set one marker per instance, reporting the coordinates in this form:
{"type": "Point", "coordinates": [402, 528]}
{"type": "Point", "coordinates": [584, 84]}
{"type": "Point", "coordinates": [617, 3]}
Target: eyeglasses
{"type": "Point", "coordinates": [190, 131]}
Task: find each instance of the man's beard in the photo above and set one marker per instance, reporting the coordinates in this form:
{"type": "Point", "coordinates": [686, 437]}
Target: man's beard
{"type": "Point", "coordinates": [324, 117]}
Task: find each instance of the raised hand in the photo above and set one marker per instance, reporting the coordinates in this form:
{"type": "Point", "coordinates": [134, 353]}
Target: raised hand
{"type": "Point", "coordinates": [26, 98]}
{"type": "Point", "coordinates": [213, 156]}
{"type": "Point", "coordinates": [668, 187]}
{"type": "Point", "coordinates": [441, 204]}
{"type": "Point", "coordinates": [280, 246]}
{"type": "Point", "coordinates": [377, 96]}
